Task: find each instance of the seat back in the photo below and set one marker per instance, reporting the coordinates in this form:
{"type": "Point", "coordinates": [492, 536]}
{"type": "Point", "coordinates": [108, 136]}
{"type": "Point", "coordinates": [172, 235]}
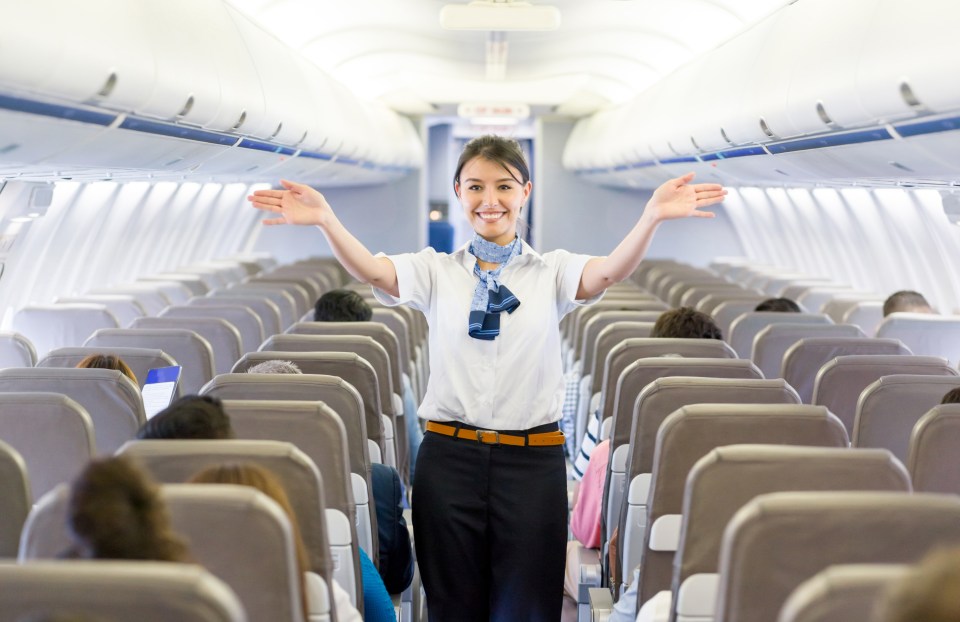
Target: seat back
{"type": "Point", "coordinates": [53, 434]}
{"type": "Point", "coordinates": [140, 360]}
{"type": "Point", "coordinates": [842, 593]}
{"type": "Point", "coordinates": [241, 317]}
{"type": "Point", "coordinates": [867, 315]}
{"type": "Point", "coordinates": [745, 328]}
{"type": "Point", "coordinates": [313, 428]}
{"type": "Point", "coordinates": [188, 349]}
{"type": "Point", "coordinates": [57, 326]}
{"type": "Point", "coordinates": [398, 325]}
{"type": "Point", "coordinates": [223, 337]}
{"type": "Point", "coordinates": [338, 394]}
{"type": "Point", "coordinates": [301, 297]}
{"type": "Point", "coordinates": [802, 362]}
{"type": "Point", "coordinates": [643, 371]}
{"type": "Point", "coordinates": [729, 477]}
{"type": "Point", "coordinates": [772, 342]}
{"type": "Point", "coordinates": [598, 322]}
{"type": "Point", "coordinates": [365, 347]}
{"type": "Point", "coordinates": [124, 307]}
{"type": "Point", "coordinates": [151, 298]}
{"type": "Point", "coordinates": [726, 308]}
{"type": "Point", "coordinates": [689, 434]}
{"type": "Point", "coordinates": [114, 590]}
{"type": "Point", "coordinates": [390, 376]}
{"type": "Point", "coordinates": [838, 307]}
{"type": "Point", "coordinates": [111, 399]}
{"type": "Point", "coordinates": [889, 408]}
{"type": "Point", "coordinates": [285, 303]}
{"type": "Point", "coordinates": [16, 499]}
{"type": "Point", "coordinates": [263, 307]}
{"type": "Point", "coordinates": [237, 533]}
{"type": "Point", "coordinates": [609, 338]}
{"type": "Point", "coordinates": [840, 381]}
{"type": "Point", "coordinates": [175, 462]}
{"type": "Point", "coordinates": [932, 335]}
{"type": "Point", "coordinates": [815, 530]}
{"type": "Point", "coordinates": [934, 460]}
{"type": "Point", "coordinates": [629, 350]}
{"type": "Point", "coordinates": [630, 301]}
{"type": "Point", "coordinates": [654, 404]}
{"type": "Point", "coordinates": [16, 351]}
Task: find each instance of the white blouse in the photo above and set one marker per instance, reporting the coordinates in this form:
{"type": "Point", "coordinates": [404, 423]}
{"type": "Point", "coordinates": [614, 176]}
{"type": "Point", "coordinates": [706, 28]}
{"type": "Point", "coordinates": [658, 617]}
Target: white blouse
{"type": "Point", "coordinates": [514, 382]}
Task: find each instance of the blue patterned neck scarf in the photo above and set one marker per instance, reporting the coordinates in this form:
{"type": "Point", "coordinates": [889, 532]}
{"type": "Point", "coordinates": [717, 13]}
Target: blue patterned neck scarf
{"type": "Point", "coordinates": [491, 296]}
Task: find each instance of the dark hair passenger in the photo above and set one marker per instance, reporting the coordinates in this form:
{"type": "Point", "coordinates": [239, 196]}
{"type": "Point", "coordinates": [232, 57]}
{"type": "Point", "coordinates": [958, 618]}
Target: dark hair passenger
{"type": "Point", "coordinates": [342, 305]}
{"type": "Point", "coordinates": [782, 305]}
{"type": "Point", "coordinates": [685, 323]}
{"type": "Point", "coordinates": [190, 417]}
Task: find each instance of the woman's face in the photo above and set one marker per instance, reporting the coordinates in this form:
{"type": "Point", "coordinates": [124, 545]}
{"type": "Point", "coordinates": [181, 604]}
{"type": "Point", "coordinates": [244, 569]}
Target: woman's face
{"type": "Point", "coordinates": [492, 199]}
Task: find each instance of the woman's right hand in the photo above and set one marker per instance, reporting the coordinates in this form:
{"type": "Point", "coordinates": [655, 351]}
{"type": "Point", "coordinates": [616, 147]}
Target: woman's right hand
{"type": "Point", "coordinates": [297, 204]}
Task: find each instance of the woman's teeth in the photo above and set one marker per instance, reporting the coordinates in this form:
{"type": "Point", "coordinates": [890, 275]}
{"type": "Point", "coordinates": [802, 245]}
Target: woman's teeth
{"type": "Point", "coordinates": [491, 216]}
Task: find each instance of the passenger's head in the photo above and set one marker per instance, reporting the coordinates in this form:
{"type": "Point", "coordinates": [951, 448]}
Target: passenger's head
{"type": "Point", "coordinates": [929, 592]}
{"type": "Point", "coordinates": [906, 301]}
{"type": "Point", "coordinates": [951, 397]}
{"type": "Point", "coordinates": [198, 417]}
{"type": "Point", "coordinates": [492, 180]}
{"type": "Point", "coordinates": [783, 305]}
{"type": "Point", "coordinates": [107, 361]}
{"type": "Point", "coordinates": [685, 323]}
{"type": "Point", "coordinates": [275, 367]}
{"type": "Point", "coordinates": [115, 512]}
{"type": "Point", "coordinates": [256, 476]}
{"type": "Point", "coordinates": [342, 305]}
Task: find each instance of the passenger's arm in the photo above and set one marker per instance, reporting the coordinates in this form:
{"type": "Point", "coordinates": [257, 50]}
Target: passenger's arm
{"type": "Point", "coordinates": [676, 198]}
{"type": "Point", "coordinates": [299, 204]}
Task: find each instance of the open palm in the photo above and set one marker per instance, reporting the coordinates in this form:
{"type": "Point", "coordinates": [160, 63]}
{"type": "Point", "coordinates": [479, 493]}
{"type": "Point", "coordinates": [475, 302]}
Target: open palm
{"type": "Point", "coordinates": [678, 198]}
{"type": "Point", "coordinates": [297, 204]}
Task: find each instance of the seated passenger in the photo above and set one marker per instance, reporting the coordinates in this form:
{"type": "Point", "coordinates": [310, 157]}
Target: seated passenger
{"type": "Point", "coordinates": [107, 361]}
{"type": "Point", "coordinates": [342, 305]}
{"type": "Point", "coordinates": [928, 593]}
{"type": "Point", "coordinates": [951, 397]}
{"type": "Point", "coordinates": [275, 367]}
{"type": "Point", "coordinates": [266, 482]}
{"type": "Point", "coordinates": [906, 301]}
{"type": "Point", "coordinates": [395, 550]}
{"type": "Point", "coordinates": [346, 305]}
{"type": "Point", "coordinates": [115, 512]}
{"type": "Point", "coordinates": [782, 305]}
{"type": "Point", "coordinates": [198, 417]}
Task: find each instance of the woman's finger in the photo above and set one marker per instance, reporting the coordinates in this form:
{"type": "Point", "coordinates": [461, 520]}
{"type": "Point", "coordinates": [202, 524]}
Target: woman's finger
{"type": "Point", "coordinates": [266, 206]}
{"type": "Point", "coordinates": [698, 214]}
{"type": "Point", "coordinates": [703, 202]}
{"type": "Point", "coordinates": [707, 187]}
{"type": "Point", "coordinates": [277, 194]}
{"type": "Point", "coordinates": [711, 195]}
{"type": "Point", "coordinates": [273, 221]}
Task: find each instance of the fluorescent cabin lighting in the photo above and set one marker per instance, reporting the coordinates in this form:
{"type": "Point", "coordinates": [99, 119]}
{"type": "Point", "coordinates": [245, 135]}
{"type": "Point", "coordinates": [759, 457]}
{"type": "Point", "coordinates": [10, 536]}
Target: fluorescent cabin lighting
{"type": "Point", "coordinates": [483, 15]}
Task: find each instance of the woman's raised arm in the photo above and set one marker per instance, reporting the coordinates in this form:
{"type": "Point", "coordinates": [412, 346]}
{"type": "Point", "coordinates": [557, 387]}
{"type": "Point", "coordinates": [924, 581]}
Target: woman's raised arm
{"type": "Point", "coordinates": [676, 198]}
{"type": "Point", "coordinates": [298, 204]}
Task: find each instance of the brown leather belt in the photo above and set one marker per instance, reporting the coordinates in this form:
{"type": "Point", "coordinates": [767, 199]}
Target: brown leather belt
{"type": "Point", "coordinates": [493, 437]}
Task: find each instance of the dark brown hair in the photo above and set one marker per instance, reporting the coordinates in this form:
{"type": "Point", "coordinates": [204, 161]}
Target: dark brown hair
{"type": "Point", "coordinates": [107, 361]}
{"type": "Point", "coordinates": [504, 151]}
{"type": "Point", "coordinates": [685, 323]}
{"type": "Point", "coordinates": [928, 593]}
{"type": "Point", "coordinates": [115, 512]}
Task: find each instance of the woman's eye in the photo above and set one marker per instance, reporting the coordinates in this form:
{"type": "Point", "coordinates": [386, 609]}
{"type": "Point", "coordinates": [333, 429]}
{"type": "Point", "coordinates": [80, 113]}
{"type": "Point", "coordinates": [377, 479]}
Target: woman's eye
{"type": "Point", "coordinates": [474, 188]}
{"type": "Point", "coordinates": [505, 187]}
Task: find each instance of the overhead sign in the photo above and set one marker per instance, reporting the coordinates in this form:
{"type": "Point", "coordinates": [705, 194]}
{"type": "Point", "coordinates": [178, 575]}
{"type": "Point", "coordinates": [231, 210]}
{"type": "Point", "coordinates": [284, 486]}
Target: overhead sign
{"type": "Point", "coordinates": [507, 111]}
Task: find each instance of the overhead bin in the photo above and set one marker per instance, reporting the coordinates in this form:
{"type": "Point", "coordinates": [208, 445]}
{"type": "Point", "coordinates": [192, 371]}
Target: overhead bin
{"type": "Point", "coordinates": [137, 90]}
{"type": "Point", "coordinates": [816, 92]}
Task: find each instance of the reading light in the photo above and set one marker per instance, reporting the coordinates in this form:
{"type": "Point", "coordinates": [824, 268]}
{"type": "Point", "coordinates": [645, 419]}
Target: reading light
{"type": "Point", "coordinates": [499, 15]}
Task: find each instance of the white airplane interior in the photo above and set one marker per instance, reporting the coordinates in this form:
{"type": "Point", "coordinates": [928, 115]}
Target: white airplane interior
{"type": "Point", "coordinates": [133, 131]}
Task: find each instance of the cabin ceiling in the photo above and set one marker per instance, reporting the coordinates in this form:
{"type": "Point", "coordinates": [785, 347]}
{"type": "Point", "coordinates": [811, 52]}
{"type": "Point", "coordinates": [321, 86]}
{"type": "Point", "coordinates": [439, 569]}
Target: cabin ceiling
{"type": "Point", "coordinates": [605, 51]}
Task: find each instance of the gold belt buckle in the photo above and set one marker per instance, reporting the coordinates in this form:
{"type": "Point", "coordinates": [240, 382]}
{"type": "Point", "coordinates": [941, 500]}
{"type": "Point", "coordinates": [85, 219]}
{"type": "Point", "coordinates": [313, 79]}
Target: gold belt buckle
{"type": "Point", "coordinates": [480, 434]}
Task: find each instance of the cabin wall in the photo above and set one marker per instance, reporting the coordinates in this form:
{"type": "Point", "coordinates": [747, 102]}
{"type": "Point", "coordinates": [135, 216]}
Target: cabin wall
{"type": "Point", "coordinates": [582, 217]}
{"type": "Point", "coordinates": [389, 218]}
{"type": "Point", "coordinates": [98, 234]}
{"type": "Point", "coordinates": [876, 240]}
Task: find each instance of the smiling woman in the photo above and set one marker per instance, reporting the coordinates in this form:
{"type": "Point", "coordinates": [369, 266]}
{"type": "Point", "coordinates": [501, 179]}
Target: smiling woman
{"type": "Point", "coordinates": [489, 493]}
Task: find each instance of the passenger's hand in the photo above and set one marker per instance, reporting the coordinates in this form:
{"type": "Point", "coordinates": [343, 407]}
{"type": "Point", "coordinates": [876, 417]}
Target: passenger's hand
{"type": "Point", "coordinates": [678, 198]}
{"type": "Point", "coordinates": [297, 204]}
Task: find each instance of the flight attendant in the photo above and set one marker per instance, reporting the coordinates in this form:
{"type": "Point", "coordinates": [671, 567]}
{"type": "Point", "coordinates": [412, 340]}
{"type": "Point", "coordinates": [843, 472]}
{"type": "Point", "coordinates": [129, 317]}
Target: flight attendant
{"type": "Point", "coordinates": [489, 494]}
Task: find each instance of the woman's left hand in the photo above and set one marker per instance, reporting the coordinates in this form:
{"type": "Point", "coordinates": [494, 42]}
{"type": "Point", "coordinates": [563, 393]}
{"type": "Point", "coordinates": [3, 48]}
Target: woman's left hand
{"type": "Point", "coordinates": [678, 198]}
